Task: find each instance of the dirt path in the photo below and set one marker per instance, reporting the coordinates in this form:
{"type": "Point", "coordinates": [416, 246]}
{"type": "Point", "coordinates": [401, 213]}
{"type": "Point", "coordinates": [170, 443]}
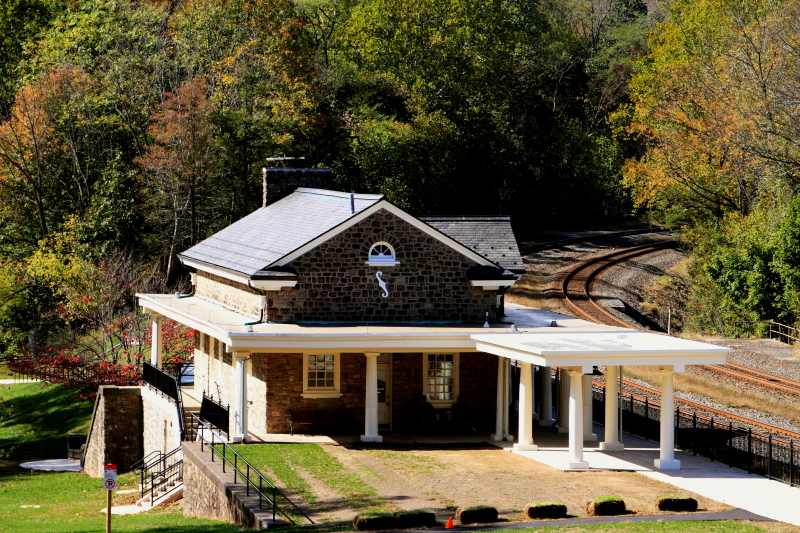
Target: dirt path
{"type": "Point", "coordinates": [443, 479]}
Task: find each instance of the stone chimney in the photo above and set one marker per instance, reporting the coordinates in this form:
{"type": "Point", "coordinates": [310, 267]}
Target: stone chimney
{"type": "Point", "coordinates": [281, 182]}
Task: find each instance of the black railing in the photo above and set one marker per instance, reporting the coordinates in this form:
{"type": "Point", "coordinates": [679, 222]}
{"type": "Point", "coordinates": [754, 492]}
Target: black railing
{"type": "Point", "coordinates": [159, 471]}
{"type": "Point", "coordinates": [244, 472]}
{"type": "Point", "coordinates": [215, 413]}
{"type": "Point", "coordinates": [168, 385]}
{"type": "Point", "coordinates": [773, 456]}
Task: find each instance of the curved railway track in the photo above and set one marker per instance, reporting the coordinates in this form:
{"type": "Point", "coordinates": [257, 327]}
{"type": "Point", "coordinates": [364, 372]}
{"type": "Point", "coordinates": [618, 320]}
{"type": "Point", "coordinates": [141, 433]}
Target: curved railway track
{"type": "Point", "coordinates": [576, 290]}
{"type": "Point", "coordinates": [577, 284]}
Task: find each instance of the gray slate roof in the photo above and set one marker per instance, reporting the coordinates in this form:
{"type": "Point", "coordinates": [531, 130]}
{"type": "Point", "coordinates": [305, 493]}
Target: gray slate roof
{"type": "Point", "coordinates": [263, 237]}
{"type": "Point", "coordinates": [491, 237]}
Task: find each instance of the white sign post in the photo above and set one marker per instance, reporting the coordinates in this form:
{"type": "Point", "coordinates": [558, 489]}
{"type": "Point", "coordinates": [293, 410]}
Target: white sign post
{"type": "Point", "coordinates": [109, 483]}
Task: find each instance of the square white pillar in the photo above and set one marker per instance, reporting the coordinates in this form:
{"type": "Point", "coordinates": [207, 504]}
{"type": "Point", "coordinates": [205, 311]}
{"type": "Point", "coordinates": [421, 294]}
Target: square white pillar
{"type": "Point", "coordinates": [612, 443]}
{"type": "Point", "coordinates": [371, 401]}
{"type": "Point", "coordinates": [156, 342]}
{"type": "Point", "coordinates": [576, 421]}
{"type": "Point", "coordinates": [501, 407]}
{"type": "Point", "coordinates": [525, 409]}
{"type": "Point", "coordinates": [240, 407]}
{"type": "Point", "coordinates": [666, 460]}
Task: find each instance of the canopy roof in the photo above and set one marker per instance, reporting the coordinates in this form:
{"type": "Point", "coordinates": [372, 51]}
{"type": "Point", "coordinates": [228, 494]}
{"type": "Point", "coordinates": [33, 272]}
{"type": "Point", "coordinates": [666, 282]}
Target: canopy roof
{"type": "Point", "coordinates": [551, 347]}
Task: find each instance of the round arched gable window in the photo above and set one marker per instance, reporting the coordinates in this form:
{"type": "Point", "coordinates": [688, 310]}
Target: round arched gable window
{"type": "Point", "coordinates": [382, 254]}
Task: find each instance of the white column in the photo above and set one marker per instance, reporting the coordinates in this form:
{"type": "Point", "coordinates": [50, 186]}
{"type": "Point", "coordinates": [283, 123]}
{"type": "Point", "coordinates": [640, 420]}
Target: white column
{"type": "Point", "coordinates": [155, 342]}
{"type": "Point", "coordinates": [576, 420]}
{"type": "Point", "coordinates": [546, 412]}
{"type": "Point", "coordinates": [588, 434]}
{"type": "Point", "coordinates": [500, 406]}
{"type": "Point", "coordinates": [525, 409]}
{"type": "Point", "coordinates": [612, 443]}
{"type": "Point", "coordinates": [666, 460]}
{"type": "Point", "coordinates": [371, 401]}
{"type": "Point", "coordinates": [240, 407]}
{"type": "Point", "coordinates": [563, 401]}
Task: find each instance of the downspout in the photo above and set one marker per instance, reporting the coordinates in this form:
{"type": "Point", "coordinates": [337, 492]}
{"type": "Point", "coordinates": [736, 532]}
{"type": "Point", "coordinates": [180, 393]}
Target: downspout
{"type": "Point", "coordinates": [262, 317]}
{"type": "Point", "coordinates": [193, 277]}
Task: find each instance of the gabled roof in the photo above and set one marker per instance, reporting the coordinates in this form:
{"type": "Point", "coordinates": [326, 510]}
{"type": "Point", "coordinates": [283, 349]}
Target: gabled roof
{"type": "Point", "coordinates": [259, 246]}
{"type": "Point", "coordinates": [492, 237]}
{"type": "Point", "coordinates": [270, 233]}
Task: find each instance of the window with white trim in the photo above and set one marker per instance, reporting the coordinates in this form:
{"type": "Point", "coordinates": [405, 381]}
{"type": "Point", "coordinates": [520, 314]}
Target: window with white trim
{"type": "Point", "coordinates": [321, 376]}
{"type": "Point", "coordinates": [381, 253]}
{"type": "Point", "coordinates": [440, 381]}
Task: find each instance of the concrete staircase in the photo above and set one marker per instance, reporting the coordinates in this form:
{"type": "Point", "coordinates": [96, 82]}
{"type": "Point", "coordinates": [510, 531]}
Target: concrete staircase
{"type": "Point", "coordinates": [190, 404]}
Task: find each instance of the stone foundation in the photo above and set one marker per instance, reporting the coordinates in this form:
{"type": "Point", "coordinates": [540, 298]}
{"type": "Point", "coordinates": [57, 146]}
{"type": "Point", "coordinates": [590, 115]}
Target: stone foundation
{"type": "Point", "coordinates": [116, 432]}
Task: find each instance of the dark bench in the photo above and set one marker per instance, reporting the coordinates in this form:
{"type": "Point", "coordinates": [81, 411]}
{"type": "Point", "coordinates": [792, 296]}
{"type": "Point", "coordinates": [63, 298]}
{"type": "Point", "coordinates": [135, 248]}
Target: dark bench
{"type": "Point", "coordinates": [328, 421]}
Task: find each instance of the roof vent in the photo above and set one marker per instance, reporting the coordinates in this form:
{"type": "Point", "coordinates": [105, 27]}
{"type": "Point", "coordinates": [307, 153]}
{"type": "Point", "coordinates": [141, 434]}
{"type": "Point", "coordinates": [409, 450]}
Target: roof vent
{"type": "Point", "coordinates": [352, 203]}
{"type": "Point", "coordinates": [553, 324]}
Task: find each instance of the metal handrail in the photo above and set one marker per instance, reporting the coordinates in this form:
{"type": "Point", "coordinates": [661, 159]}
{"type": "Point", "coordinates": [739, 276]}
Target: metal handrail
{"type": "Point", "coordinates": [146, 461]}
{"type": "Point", "coordinates": [151, 478]}
{"type": "Point", "coordinates": [221, 449]}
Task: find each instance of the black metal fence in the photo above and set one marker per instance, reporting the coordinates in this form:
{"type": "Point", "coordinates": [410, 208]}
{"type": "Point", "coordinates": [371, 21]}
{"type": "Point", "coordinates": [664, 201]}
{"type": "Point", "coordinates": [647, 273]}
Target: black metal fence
{"type": "Point", "coordinates": [772, 456]}
{"type": "Point", "coordinates": [215, 413]}
{"type": "Point", "coordinates": [243, 472]}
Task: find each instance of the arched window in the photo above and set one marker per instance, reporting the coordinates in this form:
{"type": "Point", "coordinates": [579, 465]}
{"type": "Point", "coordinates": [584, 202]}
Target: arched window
{"type": "Point", "coordinates": [381, 253]}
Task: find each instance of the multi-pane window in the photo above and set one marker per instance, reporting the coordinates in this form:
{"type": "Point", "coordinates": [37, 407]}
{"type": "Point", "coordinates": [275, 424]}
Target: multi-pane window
{"type": "Point", "coordinates": [321, 371]}
{"type": "Point", "coordinates": [381, 253]}
{"type": "Point", "coordinates": [440, 377]}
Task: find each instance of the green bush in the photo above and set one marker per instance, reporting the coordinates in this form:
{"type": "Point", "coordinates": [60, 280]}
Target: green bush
{"type": "Point", "coordinates": [676, 504]}
{"type": "Point", "coordinates": [415, 519]}
{"type": "Point", "coordinates": [373, 521]}
{"type": "Point", "coordinates": [481, 514]}
{"type": "Point", "coordinates": [539, 510]}
{"type": "Point", "coordinates": [605, 506]}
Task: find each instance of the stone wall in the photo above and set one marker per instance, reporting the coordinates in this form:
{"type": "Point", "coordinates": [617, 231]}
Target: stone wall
{"type": "Point", "coordinates": [238, 296]}
{"type": "Point", "coordinates": [428, 285]}
{"type": "Point", "coordinates": [116, 434]}
{"type": "Point", "coordinates": [205, 495]}
{"type": "Point", "coordinates": [161, 427]}
{"type": "Point", "coordinates": [477, 389]}
{"type": "Point", "coordinates": [284, 386]}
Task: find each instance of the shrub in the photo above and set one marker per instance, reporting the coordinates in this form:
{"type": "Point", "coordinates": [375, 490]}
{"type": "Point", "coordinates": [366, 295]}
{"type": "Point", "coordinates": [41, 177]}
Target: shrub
{"type": "Point", "coordinates": [541, 510]}
{"type": "Point", "coordinates": [414, 519]}
{"type": "Point", "coordinates": [480, 514]}
{"type": "Point", "coordinates": [373, 521]}
{"type": "Point", "coordinates": [605, 506]}
{"type": "Point", "coordinates": [676, 504]}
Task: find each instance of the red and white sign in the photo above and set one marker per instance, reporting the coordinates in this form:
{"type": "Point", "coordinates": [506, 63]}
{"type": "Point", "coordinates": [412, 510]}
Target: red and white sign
{"type": "Point", "coordinates": [110, 477]}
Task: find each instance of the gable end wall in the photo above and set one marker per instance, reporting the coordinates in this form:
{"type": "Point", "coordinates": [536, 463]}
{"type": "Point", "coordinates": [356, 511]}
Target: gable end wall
{"type": "Point", "coordinates": [429, 284]}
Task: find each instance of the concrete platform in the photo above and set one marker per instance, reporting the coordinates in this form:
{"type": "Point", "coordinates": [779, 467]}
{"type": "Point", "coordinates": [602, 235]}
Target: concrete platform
{"type": "Point", "coordinates": [735, 487]}
{"type": "Point", "coordinates": [54, 465]}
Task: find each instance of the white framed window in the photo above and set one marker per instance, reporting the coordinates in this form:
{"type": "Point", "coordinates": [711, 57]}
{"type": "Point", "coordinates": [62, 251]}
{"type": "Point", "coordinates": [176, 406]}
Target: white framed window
{"type": "Point", "coordinates": [321, 376]}
{"type": "Point", "coordinates": [440, 378]}
{"type": "Point", "coordinates": [382, 254]}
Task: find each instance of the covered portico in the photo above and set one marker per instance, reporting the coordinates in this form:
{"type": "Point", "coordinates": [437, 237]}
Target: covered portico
{"type": "Point", "coordinates": [578, 353]}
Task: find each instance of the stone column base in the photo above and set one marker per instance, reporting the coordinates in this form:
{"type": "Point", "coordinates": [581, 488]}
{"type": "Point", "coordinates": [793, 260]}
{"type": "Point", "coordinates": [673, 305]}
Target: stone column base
{"type": "Point", "coordinates": [546, 423]}
{"type": "Point", "coordinates": [612, 446]}
{"type": "Point", "coordinates": [563, 429]}
{"type": "Point", "coordinates": [592, 437]}
{"type": "Point", "coordinates": [371, 438]}
{"type": "Point", "coordinates": [525, 447]}
{"type": "Point", "coordinates": [667, 464]}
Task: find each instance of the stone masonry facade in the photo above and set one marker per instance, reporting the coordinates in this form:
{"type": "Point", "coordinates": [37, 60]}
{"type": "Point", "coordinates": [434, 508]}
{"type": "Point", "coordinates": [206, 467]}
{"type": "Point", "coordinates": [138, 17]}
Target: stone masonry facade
{"type": "Point", "coordinates": [275, 386]}
{"type": "Point", "coordinates": [428, 285]}
{"type": "Point", "coordinates": [116, 431]}
{"type": "Point", "coordinates": [336, 285]}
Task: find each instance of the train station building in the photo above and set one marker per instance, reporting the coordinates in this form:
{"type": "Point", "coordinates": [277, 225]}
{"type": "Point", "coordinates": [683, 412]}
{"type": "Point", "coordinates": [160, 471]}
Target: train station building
{"type": "Point", "coordinates": [326, 311]}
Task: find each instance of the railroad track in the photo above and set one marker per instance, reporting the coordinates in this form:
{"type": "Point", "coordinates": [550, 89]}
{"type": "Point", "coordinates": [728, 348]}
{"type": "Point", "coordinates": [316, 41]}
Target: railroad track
{"type": "Point", "coordinates": [538, 247]}
{"type": "Point", "coordinates": [706, 409]}
{"type": "Point", "coordinates": [577, 293]}
{"type": "Point", "coordinates": [577, 284]}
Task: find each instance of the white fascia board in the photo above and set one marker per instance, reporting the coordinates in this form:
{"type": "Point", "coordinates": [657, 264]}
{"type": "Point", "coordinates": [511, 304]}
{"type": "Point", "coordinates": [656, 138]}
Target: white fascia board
{"type": "Point", "coordinates": [154, 307]}
{"type": "Point", "coordinates": [358, 344]}
{"type": "Point", "coordinates": [217, 271]}
{"type": "Point", "coordinates": [272, 284]}
{"type": "Point", "coordinates": [489, 285]}
{"type": "Point", "coordinates": [384, 204]}
{"type": "Point", "coordinates": [588, 359]}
